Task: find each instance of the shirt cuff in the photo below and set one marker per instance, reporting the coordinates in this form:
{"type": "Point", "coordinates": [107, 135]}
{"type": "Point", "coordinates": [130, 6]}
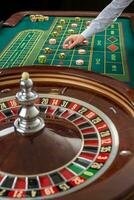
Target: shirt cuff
{"type": "Point", "coordinates": [87, 33]}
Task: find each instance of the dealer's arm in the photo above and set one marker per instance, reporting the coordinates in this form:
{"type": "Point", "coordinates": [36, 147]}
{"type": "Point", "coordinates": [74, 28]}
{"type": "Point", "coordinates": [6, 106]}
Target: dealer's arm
{"type": "Point", "coordinates": [108, 15]}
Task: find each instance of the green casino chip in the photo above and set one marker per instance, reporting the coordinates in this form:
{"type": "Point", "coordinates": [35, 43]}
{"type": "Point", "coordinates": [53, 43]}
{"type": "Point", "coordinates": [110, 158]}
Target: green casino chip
{"type": "Point", "coordinates": [42, 59]}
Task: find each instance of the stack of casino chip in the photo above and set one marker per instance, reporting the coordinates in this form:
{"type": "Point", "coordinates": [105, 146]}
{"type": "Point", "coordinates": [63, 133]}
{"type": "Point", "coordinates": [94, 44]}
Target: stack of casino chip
{"type": "Point", "coordinates": [62, 55]}
{"type": "Point", "coordinates": [38, 17]}
{"type": "Point", "coordinates": [52, 41]}
{"type": "Point", "coordinates": [33, 18]}
{"type": "Point", "coordinates": [62, 21]}
{"type": "Point", "coordinates": [47, 50]}
{"type": "Point", "coordinates": [77, 19]}
{"type": "Point", "coordinates": [79, 62]}
{"type": "Point", "coordinates": [54, 33]}
{"type": "Point", "coordinates": [71, 31]}
{"type": "Point", "coordinates": [74, 25]}
{"type": "Point", "coordinates": [59, 28]}
{"type": "Point", "coordinates": [42, 59]}
{"type": "Point", "coordinates": [46, 18]}
{"type": "Point", "coordinates": [81, 51]}
{"type": "Point", "coordinates": [88, 23]}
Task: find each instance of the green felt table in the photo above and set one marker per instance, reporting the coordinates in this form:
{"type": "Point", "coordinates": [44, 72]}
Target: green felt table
{"type": "Point", "coordinates": [110, 52]}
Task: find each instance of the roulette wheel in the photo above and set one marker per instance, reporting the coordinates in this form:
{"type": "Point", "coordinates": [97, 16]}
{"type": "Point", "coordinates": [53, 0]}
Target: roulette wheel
{"type": "Point", "coordinates": [65, 134]}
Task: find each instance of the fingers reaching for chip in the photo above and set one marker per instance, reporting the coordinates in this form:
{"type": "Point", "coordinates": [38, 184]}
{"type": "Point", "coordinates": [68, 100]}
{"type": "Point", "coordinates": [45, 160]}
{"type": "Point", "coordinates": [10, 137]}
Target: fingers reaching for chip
{"type": "Point", "coordinates": [72, 41]}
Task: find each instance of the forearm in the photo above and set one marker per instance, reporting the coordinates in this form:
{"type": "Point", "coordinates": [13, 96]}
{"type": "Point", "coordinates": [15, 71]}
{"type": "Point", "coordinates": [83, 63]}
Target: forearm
{"type": "Point", "coordinates": [106, 17]}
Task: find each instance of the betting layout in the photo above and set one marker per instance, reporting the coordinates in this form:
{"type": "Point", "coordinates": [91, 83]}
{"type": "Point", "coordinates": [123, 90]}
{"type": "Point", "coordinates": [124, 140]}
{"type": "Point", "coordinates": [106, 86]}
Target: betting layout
{"type": "Point", "coordinates": [104, 52]}
{"type": "Point", "coordinates": [101, 53]}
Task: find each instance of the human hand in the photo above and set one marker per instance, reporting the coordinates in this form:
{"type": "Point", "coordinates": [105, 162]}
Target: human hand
{"type": "Point", "coordinates": [72, 41]}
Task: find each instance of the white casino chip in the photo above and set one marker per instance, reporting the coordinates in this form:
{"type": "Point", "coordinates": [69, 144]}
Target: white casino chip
{"type": "Point", "coordinates": [79, 62]}
{"type": "Point", "coordinates": [52, 41]}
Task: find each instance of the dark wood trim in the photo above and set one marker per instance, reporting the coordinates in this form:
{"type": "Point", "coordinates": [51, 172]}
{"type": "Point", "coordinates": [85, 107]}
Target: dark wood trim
{"type": "Point", "coordinates": [15, 18]}
{"type": "Point", "coordinates": [121, 89]}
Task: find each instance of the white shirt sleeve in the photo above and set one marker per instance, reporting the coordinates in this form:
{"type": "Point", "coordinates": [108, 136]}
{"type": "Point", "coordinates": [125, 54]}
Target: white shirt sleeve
{"type": "Point", "coordinates": [108, 15]}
